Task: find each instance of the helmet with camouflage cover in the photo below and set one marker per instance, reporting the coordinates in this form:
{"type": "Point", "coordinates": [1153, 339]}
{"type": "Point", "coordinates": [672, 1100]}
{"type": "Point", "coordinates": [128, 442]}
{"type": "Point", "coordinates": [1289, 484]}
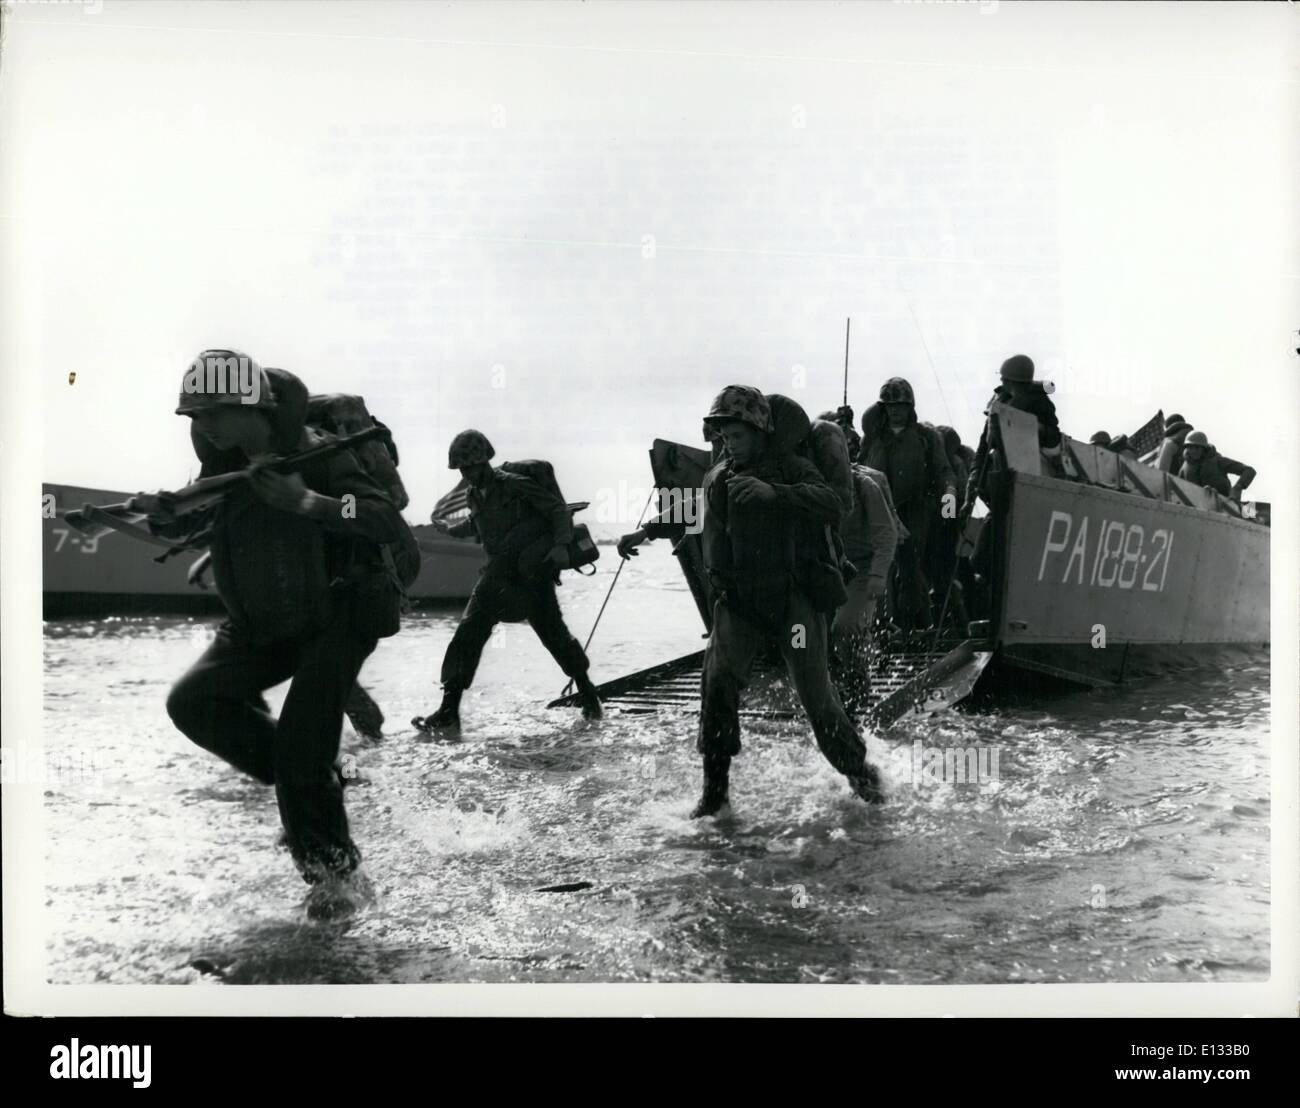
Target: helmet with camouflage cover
{"type": "Point", "coordinates": [469, 448]}
{"type": "Point", "coordinates": [741, 404]}
{"type": "Point", "coordinates": [1198, 438]}
{"type": "Point", "coordinates": [220, 377]}
{"type": "Point", "coordinates": [897, 391]}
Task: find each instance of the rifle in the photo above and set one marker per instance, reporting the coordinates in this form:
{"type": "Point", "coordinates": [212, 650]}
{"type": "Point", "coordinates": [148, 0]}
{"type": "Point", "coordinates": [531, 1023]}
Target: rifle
{"type": "Point", "coordinates": [95, 520]}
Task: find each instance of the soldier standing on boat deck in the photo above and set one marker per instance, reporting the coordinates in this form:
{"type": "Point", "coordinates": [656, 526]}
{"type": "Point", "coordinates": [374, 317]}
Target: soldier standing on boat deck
{"type": "Point", "coordinates": [1205, 466]}
{"type": "Point", "coordinates": [288, 561]}
{"type": "Point", "coordinates": [525, 529]}
{"type": "Point", "coordinates": [758, 507]}
{"type": "Point", "coordinates": [1018, 390]}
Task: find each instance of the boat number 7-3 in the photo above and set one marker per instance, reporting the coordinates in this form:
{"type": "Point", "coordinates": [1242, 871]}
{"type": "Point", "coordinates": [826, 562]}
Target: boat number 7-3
{"type": "Point", "coordinates": [1113, 555]}
{"type": "Point", "coordinates": [86, 545]}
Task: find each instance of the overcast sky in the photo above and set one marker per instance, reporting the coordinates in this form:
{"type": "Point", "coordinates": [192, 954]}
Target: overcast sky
{"type": "Point", "coordinates": [570, 225]}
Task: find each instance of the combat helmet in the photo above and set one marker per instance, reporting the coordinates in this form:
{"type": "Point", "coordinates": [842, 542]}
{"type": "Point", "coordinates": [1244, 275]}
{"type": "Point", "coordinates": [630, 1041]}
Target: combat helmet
{"type": "Point", "coordinates": [216, 378]}
{"type": "Point", "coordinates": [469, 448]}
{"type": "Point", "coordinates": [1197, 438]}
{"type": "Point", "coordinates": [741, 404]}
{"type": "Point", "coordinates": [1018, 367]}
{"type": "Point", "coordinates": [897, 391]}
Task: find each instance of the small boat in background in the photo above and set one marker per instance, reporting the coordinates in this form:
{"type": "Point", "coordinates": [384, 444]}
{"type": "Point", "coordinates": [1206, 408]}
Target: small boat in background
{"type": "Point", "coordinates": [114, 573]}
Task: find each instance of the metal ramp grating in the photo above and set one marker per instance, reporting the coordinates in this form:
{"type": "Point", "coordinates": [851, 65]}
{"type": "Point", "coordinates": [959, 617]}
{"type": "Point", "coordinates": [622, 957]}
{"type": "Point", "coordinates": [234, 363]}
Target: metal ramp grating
{"type": "Point", "coordinates": [900, 680]}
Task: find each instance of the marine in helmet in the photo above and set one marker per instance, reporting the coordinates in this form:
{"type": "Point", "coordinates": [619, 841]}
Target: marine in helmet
{"type": "Point", "coordinates": [913, 459]}
{"type": "Point", "coordinates": [1018, 389]}
{"type": "Point", "coordinates": [1119, 446]}
{"type": "Point", "coordinates": [842, 417]}
{"type": "Point", "coordinates": [287, 561]}
{"type": "Point", "coordinates": [1205, 466]}
{"type": "Point", "coordinates": [1170, 458]}
{"type": "Point", "coordinates": [525, 528]}
{"type": "Point", "coordinates": [761, 503]}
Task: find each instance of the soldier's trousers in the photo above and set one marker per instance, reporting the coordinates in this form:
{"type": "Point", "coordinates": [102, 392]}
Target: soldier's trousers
{"type": "Point", "coordinates": [851, 639]}
{"type": "Point", "coordinates": [218, 704]}
{"type": "Point", "coordinates": [733, 644]}
{"type": "Point", "coordinates": [499, 597]}
{"type": "Point", "coordinates": [912, 599]}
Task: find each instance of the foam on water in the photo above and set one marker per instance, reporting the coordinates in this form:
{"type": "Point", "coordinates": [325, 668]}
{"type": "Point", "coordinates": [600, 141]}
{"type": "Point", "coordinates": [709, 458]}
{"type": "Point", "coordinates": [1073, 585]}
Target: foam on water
{"type": "Point", "coordinates": [1124, 838]}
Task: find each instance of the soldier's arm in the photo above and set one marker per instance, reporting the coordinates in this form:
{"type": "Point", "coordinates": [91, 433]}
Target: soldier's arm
{"type": "Point", "coordinates": [945, 481]}
{"type": "Point", "coordinates": [981, 453]}
{"type": "Point", "coordinates": [807, 493]}
{"type": "Point", "coordinates": [713, 533]}
{"type": "Point", "coordinates": [1049, 428]}
{"type": "Point", "coordinates": [351, 503]}
{"type": "Point", "coordinates": [1245, 474]}
{"type": "Point", "coordinates": [664, 529]}
{"type": "Point", "coordinates": [671, 522]}
{"type": "Point", "coordinates": [882, 532]}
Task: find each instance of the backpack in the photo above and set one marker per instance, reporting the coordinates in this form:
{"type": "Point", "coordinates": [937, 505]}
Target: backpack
{"type": "Point", "coordinates": [582, 547]}
{"type": "Point", "coordinates": [344, 414]}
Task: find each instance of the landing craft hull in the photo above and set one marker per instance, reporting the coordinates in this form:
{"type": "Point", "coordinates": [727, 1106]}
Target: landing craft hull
{"type": "Point", "coordinates": [116, 573]}
{"type": "Point", "coordinates": [1119, 571]}
{"type": "Point", "coordinates": [1098, 585]}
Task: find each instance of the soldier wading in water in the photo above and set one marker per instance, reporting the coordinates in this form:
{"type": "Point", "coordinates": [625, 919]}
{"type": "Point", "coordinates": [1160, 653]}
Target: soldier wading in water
{"type": "Point", "coordinates": [525, 529]}
{"type": "Point", "coordinates": [297, 563]}
{"type": "Point", "coordinates": [761, 505]}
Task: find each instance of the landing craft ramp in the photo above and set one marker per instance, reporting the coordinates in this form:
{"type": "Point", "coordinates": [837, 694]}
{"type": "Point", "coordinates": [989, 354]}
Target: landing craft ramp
{"type": "Point", "coordinates": [914, 679]}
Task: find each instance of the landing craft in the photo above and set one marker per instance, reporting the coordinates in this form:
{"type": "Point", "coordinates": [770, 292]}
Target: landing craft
{"type": "Point", "coordinates": [113, 572]}
{"type": "Point", "coordinates": [1114, 570]}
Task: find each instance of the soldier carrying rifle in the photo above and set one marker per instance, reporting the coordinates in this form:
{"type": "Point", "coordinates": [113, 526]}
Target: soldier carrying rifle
{"type": "Point", "coordinates": [298, 562]}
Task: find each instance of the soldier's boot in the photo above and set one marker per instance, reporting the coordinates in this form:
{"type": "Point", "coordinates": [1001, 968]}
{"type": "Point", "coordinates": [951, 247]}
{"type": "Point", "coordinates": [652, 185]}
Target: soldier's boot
{"type": "Point", "coordinates": [588, 698]}
{"type": "Point", "coordinates": [714, 797]}
{"type": "Point", "coordinates": [867, 785]}
{"type": "Point", "coordinates": [339, 896]}
{"type": "Point", "coordinates": [447, 717]}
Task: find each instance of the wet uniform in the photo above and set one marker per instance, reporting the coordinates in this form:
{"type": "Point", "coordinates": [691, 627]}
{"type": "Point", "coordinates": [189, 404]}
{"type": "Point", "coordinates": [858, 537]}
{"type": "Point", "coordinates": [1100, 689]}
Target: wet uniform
{"type": "Point", "coordinates": [916, 466]}
{"type": "Point", "coordinates": [289, 584]}
{"type": "Point", "coordinates": [870, 540]}
{"type": "Point", "coordinates": [752, 555]}
{"type": "Point", "coordinates": [518, 521]}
